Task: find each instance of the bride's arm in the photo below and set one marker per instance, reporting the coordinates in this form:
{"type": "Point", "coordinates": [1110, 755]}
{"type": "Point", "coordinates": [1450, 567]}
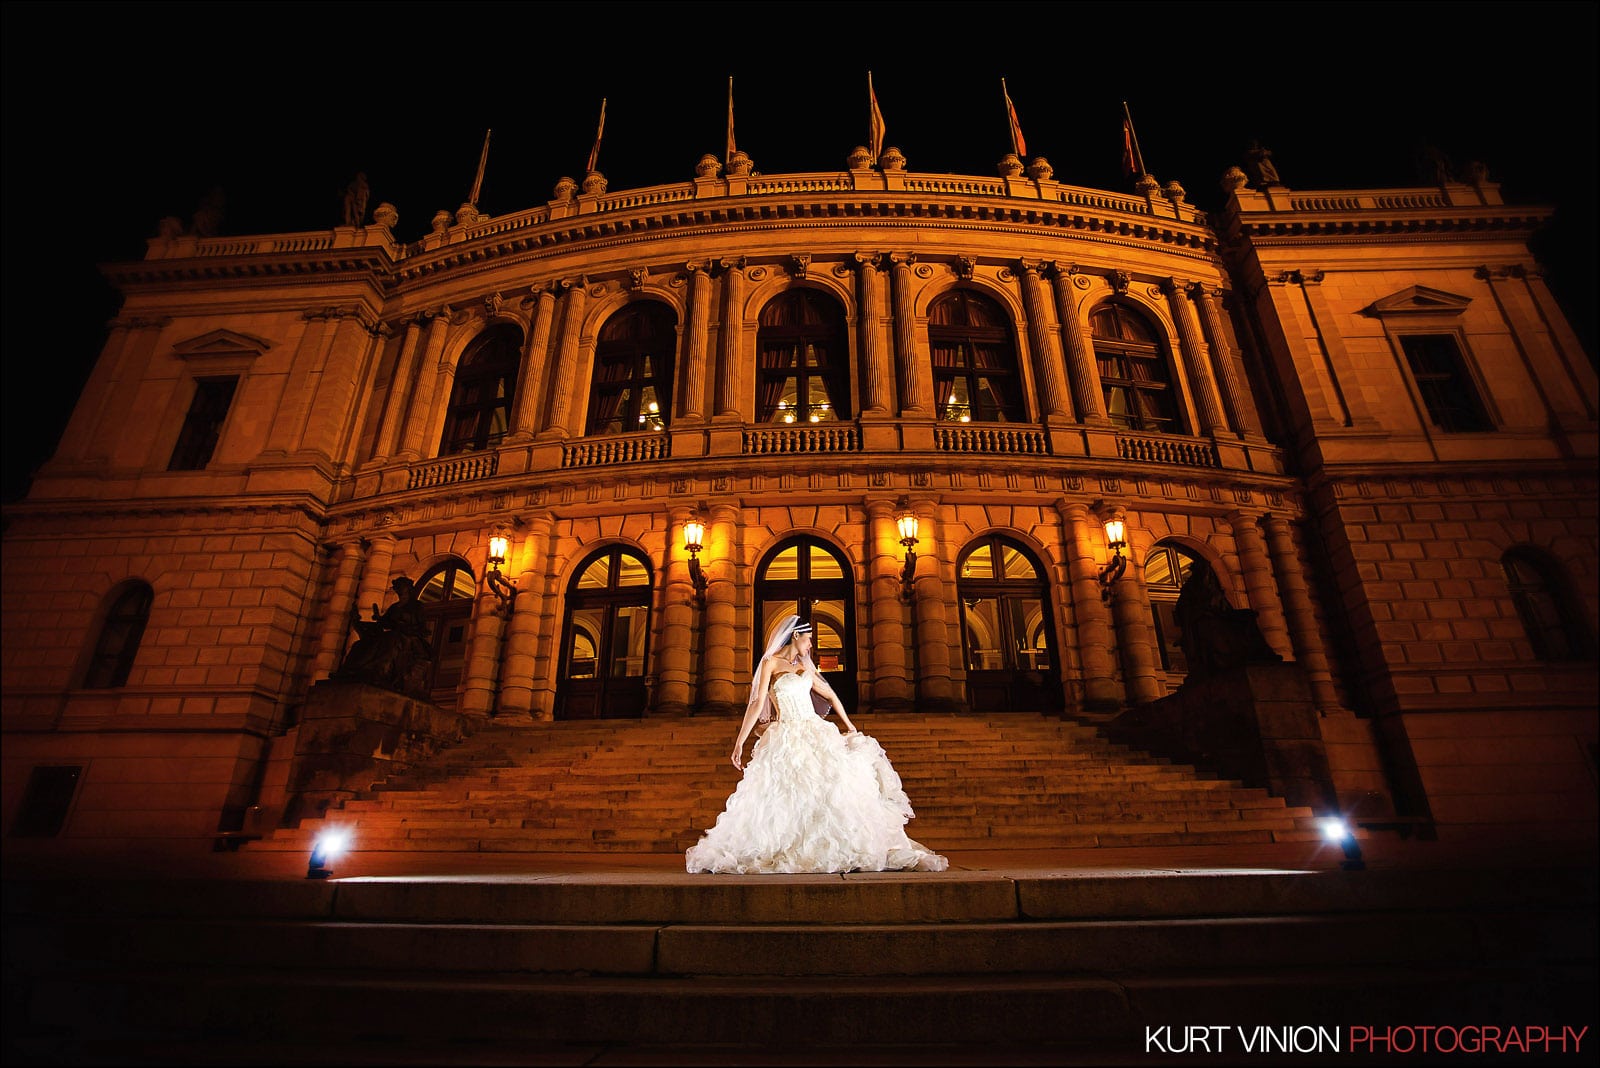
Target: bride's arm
{"type": "Point", "coordinates": [820, 685]}
{"type": "Point", "coordinates": [752, 711]}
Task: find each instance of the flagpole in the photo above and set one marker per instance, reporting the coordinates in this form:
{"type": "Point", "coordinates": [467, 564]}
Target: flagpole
{"type": "Point", "coordinates": [594, 153]}
{"type": "Point", "coordinates": [728, 152]}
{"type": "Point", "coordinates": [1018, 145]}
{"type": "Point", "coordinates": [483, 158]}
{"type": "Point", "coordinates": [875, 125]}
{"type": "Point", "coordinates": [1138, 156]}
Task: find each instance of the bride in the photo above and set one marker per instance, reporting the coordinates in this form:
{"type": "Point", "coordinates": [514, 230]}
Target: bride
{"type": "Point", "coordinates": [812, 799]}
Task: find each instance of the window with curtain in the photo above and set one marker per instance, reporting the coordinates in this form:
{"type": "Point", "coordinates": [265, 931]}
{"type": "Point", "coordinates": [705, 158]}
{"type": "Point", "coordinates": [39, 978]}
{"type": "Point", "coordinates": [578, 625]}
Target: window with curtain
{"type": "Point", "coordinates": [632, 388]}
{"type": "Point", "coordinates": [802, 375]}
{"type": "Point", "coordinates": [1550, 615]}
{"type": "Point", "coordinates": [118, 641]}
{"type": "Point", "coordinates": [1135, 375]}
{"type": "Point", "coordinates": [975, 377]}
{"type": "Point", "coordinates": [480, 402]}
{"type": "Point", "coordinates": [1441, 376]}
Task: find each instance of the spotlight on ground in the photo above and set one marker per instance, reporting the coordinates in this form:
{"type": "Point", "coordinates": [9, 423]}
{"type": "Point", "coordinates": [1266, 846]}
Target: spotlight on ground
{"type": "Point", "coordinates": [1335, 829]}
{"type": "Point", "coordinates": [328, 845]}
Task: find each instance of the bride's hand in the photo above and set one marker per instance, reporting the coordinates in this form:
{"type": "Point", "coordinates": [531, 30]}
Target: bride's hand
{"type": "Point", "coordinates": [738, 758]}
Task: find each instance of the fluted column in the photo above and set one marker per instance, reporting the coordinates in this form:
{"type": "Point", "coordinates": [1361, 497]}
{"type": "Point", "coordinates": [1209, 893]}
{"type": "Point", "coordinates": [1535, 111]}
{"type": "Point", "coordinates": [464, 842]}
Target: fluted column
{"type": "Point", "coordinates": [394, 405]}
{"type": "Point", "coordinates": [1130, 609]}
{"type": "Point", "coordinates": [483, 654]}
{"type": "Point", "coordinates": [334, 407]}
{"type": "Point", "coordinates": [694, 356]}
{"type": "Point", "coordinates": [935, 688]}
{"type": "Point", "coordinates": [336, 617]}
{"type": "Point", "coordinates": [674, 691]}
{"type": "Point", "coordinates": [1042, 340]}
{"type": "Point", "coordinates": [1194, 358]}
{"type": "Point", "coordinates": [721, 687]}
{"type": "Point", "coordinates": [1088, 610]}
{"type": "Point", "coordinates": [732, 337]}
{"type": "Point", "coordinates": [1257, 571]}
{"type": "Point", "coordinates": [374, 586]}
{"type": "Point", "coordinates": [305, 369]}
{"type": "Point", "coordinates": [522, 636]}
{"type": "Point", "coordinates": [908, 361]}
{"type": "Point", "coordinates": [1222, 354]}
{"type": "Point", "coordinates": [1082, 371]}
{"type": "Point", "coordinates": [1302, 617]}
{"type": "Point", "coordinates": [576, 300]}
{"type": "Point", "coordinates": [876, 388]}
{"type": "Point", "coordinates": [530, 383]}
{"type": "Point", "coordinates": [890, 687]}
{"type": "Point", "coordinates": [429, 373]}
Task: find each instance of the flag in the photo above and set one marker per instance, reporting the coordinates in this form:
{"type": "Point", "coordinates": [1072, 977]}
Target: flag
{"type": "Point", "coordinates": [875, 122]}
{"type": "Point", "coordinates": [1132, 158]}
{"type": "Point", "coordinates": [1018, 145]}
{"type": "Point", "coordinates": [483, 158]}
{"type": "Point", "coordinates": [728, 153]}
{"type": "Point", "coordinates": [594, 153]}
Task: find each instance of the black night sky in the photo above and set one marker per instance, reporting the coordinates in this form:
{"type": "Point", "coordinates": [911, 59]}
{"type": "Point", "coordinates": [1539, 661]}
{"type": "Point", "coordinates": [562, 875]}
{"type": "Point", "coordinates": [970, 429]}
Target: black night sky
{"type": "Point", "coordinates": [118, 114]}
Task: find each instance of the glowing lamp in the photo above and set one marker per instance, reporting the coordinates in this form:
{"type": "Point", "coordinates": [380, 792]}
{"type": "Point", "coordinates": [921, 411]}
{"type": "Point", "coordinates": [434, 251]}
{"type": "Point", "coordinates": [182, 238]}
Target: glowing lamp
{"type": "Point", "coordinates": [1335, 829]}
{"type": "Point", "coordinates": [907, 523]}
{"type": "Point", "coordinates": [694, 536]}
{"type": "Point", "coordinates": [505, 590]}
{"type": "Point", "coordinates": [329, 844]}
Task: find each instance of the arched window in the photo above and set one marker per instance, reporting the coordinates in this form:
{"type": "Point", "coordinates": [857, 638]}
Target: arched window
{"type": "Point", "coordinates": [1550, 615]}
{"type": "Point", "coordinates": [446, 592]}
{"type": "Point", "coordinates": [1134, 372]}
{"type": "Point", "coordinates": [605, 641]}
{"type": "Point", "coordinates": [1166, 569]}
{"type": "Point", "coordinates": [975, 375]}
{"type": "Point", "coordinates": [480, 403]}
{"type": "Point", "coordinates": [118, 641]}
{"type": "Point", "coordinates": [802, 377]}
{"type": "Point", "coordinates": [812, 579]}
{"type": "Point", "coordinates": [632, 389]}
{"type": "Point", "coordinates": [1006, 629]}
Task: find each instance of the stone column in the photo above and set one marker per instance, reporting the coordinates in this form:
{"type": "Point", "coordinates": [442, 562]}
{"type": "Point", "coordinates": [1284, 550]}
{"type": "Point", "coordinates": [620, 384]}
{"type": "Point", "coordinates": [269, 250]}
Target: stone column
{"type": "Point", "coordinates": [346, 563]}
{"type": "Point", "coordinates": [732, 337]}
{"type": "Point", "coordinates": [429, 374]}
{"type": "Point", "coordinates": [530, 383]}
{"type": "Point", "coordinates": [908, 361]}
{"type": "Point", "coordinates": [522, 636]}
{"type": "Point", "coordinates": [1082, 370]}
{"type": "Point", "coordinates": [1302, 618]}
{"type": "Point", "coordinates": [721, 687]}
{"type": "Point", "coordinates": [374, 587]}
{"type": "Point", "coordinates": [102, 386]}
{"type": "Point", "coordinates": [935, 688]}
{"type": "Point", "coordinates": [394, 405]}
{"type": "Point", "coordinates": [483, 654]}
{"type": "Point", "coordinates": [674, 690]}
{"type": "Point", "coordinates": [1223, 356]}
{"type": "Point", "coordinates": [1093, 620]}
{"type": "Point", "coordinates": [891, 690]}
{"type": "Point", "coordinates": [334, 404]}
{"type": "Point", "coordinates": [109, 431]}
{"type": "Point", "coordinates": [693, 389]}
{"type": "Point", "coordinates": [876, 388]}
{"type": "Point", "coordinates": [1194, 358]}
{"type": "Point", "coordinates": [1130, 608]}
{"type": "Point", "coordinates": [1564, 340]}
{"type": "Point", "coordinates": [1257, 571]}
{"type": "Point", "coordinates": [577, 298]}
{"type": "Point", "coordinates": [294, 407]}
{"type": "Point", "coordinates": [1042, 340]}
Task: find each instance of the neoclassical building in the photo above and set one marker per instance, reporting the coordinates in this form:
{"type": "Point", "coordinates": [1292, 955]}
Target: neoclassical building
{"type": "Point", "coordinates": [614, 438]}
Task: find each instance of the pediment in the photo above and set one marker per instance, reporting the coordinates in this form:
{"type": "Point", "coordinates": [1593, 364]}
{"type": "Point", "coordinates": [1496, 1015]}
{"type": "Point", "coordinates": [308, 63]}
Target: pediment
{"type": "Point", "coordinates": [223, 343]}
{"type": "Point", "coordinates": [1415, 299]}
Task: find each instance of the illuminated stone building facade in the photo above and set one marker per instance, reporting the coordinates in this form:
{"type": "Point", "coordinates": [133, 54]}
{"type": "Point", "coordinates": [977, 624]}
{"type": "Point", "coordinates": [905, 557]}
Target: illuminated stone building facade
{"type": "Point", "coordinates": [1362, 409]}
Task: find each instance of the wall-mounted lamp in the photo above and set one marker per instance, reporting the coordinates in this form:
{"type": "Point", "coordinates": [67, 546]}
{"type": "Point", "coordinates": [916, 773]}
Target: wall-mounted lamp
{"type": "Point", "coordinates": [908, 537]}
{"type": "Point", "coordinates": [499, 548]}
{"type": "Point", "coordinates": [1336, 829]}
{"type": "Point", "coordinates": [694, 535]}
{"type": "Point", "coordinates": [328, 845]}
{"type": "Point", "coordinates": [1116, 541]}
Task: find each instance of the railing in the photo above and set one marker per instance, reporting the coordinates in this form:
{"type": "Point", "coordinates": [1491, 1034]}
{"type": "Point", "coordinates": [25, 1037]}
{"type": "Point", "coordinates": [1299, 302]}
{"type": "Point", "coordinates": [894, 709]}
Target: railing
{"type": "Point", "coordinates": [839, 437]}
{"type": "Point", "coordinates": [623, 449]}
{"type": "Point", "coordinates": [463, 468]}
{"type": "Point", "coordinates": [1086, 198]}
{"type": "Point", "coordinates": [802, 183]}
{"type": "Point", "coordinates": [1166, 449]}
{"type": "Point", "coordinates": [956, 186]}
{"type": "Point", "coordinates": [991, 439]}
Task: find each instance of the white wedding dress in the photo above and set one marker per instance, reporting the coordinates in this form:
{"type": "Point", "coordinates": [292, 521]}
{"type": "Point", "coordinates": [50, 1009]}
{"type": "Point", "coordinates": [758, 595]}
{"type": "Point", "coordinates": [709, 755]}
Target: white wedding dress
{"type": "Point", "coordinates": [812, 800]}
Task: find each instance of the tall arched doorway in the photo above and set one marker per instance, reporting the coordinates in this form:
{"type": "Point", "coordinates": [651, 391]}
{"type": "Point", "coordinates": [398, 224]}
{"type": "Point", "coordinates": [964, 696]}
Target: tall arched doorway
{"type": "Point", "coordinates": [1006, 629]}
{"type": "Point", "coordinates": [811, 579]}
{"type": "Point", "coordinates": [605, 638]}
{"type": "Point", "coordinates": [446, 593]}
{"type": "Point", "coordinates": [1166, 569]}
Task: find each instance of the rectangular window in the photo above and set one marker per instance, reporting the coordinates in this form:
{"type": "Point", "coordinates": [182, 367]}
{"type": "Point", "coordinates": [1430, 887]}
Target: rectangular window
{"type": "Point", "coordinates": [1441, 375]}
{"type": "Point", "coordinates": [202, 426]}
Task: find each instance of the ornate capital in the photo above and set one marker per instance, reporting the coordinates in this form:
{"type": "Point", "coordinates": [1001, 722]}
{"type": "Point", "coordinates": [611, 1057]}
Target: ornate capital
{"type": "Point", "coordinates": [903, 259]}
{"type": "Point", "coordinates": [867, 259]}
{"type": "Point", "coordinates": [732, 263]}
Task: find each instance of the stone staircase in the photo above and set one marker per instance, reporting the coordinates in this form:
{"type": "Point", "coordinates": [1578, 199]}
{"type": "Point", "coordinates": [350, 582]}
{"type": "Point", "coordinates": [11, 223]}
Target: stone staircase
{"type": "Point", "coordinates": [653, 786]}
{"type": "Point", "coordinates": [961, 967]}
